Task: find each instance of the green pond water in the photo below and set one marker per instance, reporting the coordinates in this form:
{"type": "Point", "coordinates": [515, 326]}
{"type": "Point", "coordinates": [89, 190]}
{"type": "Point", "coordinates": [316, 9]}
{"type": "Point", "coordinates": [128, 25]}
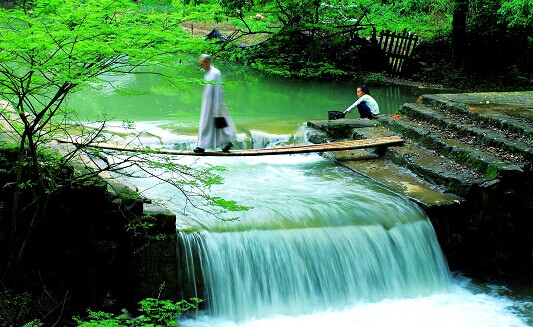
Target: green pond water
{"type": "Point", "coordinates": [255, 101]}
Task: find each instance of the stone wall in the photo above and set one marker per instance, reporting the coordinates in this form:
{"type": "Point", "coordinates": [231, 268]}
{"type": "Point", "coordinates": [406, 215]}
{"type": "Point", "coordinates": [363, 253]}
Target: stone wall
{"type": "Point", "coordinates": [98, 247]}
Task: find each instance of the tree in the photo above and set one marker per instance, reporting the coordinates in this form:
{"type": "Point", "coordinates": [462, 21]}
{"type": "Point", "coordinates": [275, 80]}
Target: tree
{"type": "Point", "coordinates": [460, 10]}
{"type": "Point", "coordinates": [308, 38]}
{"type": "Point", "coordinates": [48, 52]}
{"type": "Point", "coordinates": [489, 35]}
{"type": "Point", "coordinates": [518, 13]}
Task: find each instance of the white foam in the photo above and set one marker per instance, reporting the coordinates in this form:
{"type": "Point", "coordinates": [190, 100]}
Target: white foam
{"type": "Point", "coordinates": [143, 133]}
{"type": "Point", "coordinates": [460, 308]}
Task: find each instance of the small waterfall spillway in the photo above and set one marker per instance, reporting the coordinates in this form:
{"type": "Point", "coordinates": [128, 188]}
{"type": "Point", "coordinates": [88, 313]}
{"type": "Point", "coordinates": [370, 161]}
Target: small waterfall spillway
{"type": "Point", "coordinates": [319, 246]}
{"type": "Point", "coordinates": [315, 239]}
{"type": "Point", "coordinates": [258, 273]}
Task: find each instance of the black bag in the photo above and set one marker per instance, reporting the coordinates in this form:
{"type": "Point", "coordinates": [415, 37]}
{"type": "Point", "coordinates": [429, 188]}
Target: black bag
{"type": "Point", "coordinates": [333, 115]}
{"type": "Point", "coordinates": [220, 122]}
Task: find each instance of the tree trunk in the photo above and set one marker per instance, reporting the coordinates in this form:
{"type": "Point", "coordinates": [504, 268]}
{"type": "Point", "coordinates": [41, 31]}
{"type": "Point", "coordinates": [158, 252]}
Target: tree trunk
{"type": "Point", "coordinates": [460, 10]}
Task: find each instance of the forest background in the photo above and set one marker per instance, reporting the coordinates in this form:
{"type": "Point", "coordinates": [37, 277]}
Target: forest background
{"type": "Point", "coordinates": [466, 45]}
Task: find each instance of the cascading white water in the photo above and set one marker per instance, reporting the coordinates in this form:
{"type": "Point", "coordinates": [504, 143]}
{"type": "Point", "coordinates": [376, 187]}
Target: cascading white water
{"type": "Point", "coordinates": [259, 273]}
{"type": "Point", "coordinates": [314, 240]}
{"type": "Point", "coordinates": [319, 246]}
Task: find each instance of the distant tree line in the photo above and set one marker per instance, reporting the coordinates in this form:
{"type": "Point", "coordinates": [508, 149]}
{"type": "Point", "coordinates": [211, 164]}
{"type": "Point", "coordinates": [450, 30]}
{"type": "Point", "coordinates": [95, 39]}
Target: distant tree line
{"type": "Point", "coordinates": [498, 27]}
{"type": "Point", "coordinates": [489, 47]}
{"type": "Point", "coordinates": [310, 38]}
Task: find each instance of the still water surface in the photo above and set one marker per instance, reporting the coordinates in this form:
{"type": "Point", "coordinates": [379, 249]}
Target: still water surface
{"type": "Point", "coordinates": [255, 101]}
{"type": "Point", "coordinates": [320, 245]}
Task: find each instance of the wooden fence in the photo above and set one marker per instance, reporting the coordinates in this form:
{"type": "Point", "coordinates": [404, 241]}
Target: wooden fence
{"type": "Point", "coordinates": [397, 48]}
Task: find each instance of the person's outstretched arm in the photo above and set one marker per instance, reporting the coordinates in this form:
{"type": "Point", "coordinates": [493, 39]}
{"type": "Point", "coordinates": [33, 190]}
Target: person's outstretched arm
{"type": "Point", "coordinates": [350, 108]}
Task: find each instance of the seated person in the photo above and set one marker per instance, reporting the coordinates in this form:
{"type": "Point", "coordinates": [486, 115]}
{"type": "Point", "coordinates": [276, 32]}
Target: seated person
{"type": "Point", "coordinates": [366, 105]}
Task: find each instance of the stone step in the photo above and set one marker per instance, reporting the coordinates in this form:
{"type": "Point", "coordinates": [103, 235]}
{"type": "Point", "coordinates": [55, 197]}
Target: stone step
{"type": "Point", "coordinates": [339, 128]}
{"type": "Point", "coordinates": [464, 150]}
{"type": "Point", "coordinates": [395, 178]}
{"type": "Point", "coordinates": [463, 126]}
{"type": "Point", "coordinates": [429, 165]}
{"type": "Point", "coordinates": [398, 179]}
{"type": "Point", "coordinates": [509, 111]}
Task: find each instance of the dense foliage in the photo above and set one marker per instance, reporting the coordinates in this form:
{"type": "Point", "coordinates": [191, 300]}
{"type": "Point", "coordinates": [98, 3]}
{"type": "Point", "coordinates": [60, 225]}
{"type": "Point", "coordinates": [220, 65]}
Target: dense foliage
{"type": "Point", "coordinates": [517, 13]}
{"type": "Point", "coordinates": [490, 49]}
{"type": "Point", "coordinates": [45, 54]}
{"type": "Point", "coordinates": [326, 39]}
{"type": "Point", "coordinates": [318, 39]}
{"type": "Point", "coordinates": [49, 49]}
{"type": "Point", "coordinates": [153, 312]}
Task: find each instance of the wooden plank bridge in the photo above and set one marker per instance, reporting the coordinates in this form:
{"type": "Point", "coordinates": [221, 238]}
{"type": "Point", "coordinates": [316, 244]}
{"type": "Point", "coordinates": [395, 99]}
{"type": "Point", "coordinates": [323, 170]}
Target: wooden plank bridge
{"type": "Point", "coordinates": [380, 142]}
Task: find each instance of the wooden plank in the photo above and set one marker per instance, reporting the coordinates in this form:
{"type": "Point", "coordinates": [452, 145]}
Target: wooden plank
{"type": "Point", "coordinates": [384, 41]}
{"type": "Point", "coordinates": [395, 53]}
{"type": "Point", "coordinates": [401, 50]}
{"type": "Point", "coordinates": [410, 45]}
{"type": "Point", "coordinates": [308, 148]}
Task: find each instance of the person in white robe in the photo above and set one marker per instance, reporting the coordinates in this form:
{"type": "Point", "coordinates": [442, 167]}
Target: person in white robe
{"type": "Point", "coordinates": [213, 106]}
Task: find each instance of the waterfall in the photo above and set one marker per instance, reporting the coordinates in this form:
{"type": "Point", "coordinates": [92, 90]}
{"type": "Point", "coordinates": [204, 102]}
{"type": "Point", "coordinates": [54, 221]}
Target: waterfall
{"type": "Point", "coordinates": [314, 240]}
{"type": "Point", "coordinates": [318, 246]}
{"type": "Point", "coordinates": [258, 273]}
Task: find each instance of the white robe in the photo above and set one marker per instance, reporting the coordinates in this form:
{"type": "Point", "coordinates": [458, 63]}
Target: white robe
{"type": "Point", "coordinates": [213, 105]}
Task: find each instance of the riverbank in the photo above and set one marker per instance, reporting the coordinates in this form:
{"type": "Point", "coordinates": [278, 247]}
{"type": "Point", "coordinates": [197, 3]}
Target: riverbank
{"type": "Point", "coordinates": [93, 246]}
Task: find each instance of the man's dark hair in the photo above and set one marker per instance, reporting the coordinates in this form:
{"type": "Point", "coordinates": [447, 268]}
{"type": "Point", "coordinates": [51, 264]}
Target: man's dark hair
{"type": "Point", "coordinates": [365, 89]}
